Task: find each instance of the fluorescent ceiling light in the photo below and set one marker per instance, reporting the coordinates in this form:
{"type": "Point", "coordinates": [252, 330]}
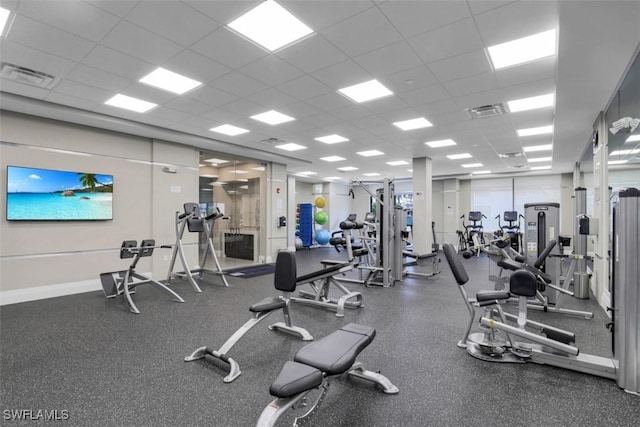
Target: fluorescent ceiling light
{"type": "Point", "coordinates": [480, 172]}
{"type": "Point", "coordinates": [532, 103]}
{"type": "Point", "coordinates": [4, 17]}
{"type": "Point", "coordinates": [371, 174]}
{"type": "Point", "coordinates": [216, 161]}
{"type": "Point", "coordinates": [366, 91]}
{"type": "Point", "coordinates": [239, 172]}
{"type": "Point", "coordinates": [129, 103]}
{"type": "Point", "coordinates": [206, 189]}
{"type": "Point", "coordinates": [624, 152]}
{"type": "Point", "coordinates": [459, 156]}
{"type": "Point", "coordinates": [523, 50]}
{"type": "Point", "coordinates": [241, 180]}
{"type": "Point", "coordinates": [218, 183]}
{"type": "Point", "coordinates": [633, 138]}
{"type": "Point", "coordinates": [229, 130]}
{"type": "Point", "coordinates": [270, 25]}
{"type": "Point", "coordinates": [348, 168]}
{"type": "Point", "coordinates": [418, 123]}
{"type": "Point", "coordinates": [332, 158]}
{"type": "Point", "coordinates": [535, 131]}
{"type": "Point", "coordinates": [440, 143]}
{"type": "Point", "coordinates": [331, 139]}
{"type": "Point", "coordinates": [539, 159]}
{"type": "Point", "coordinates": [333, 178]}
{"type": "Point", "coordinates": [397, 163]}
{"type": "Point", "coordinates": [244, 187]}
{"type": "Point", "coordinates": [259, 168]}
{"type": "Point", "coordinates": [306, 173]}
{"type": "Point", "coordinates": [170, 81]}
{"type": "Point", "coordinates": [616, 162]}
{"type": "Point", "coordinates": [290, 147]}
{"type": "Point", "coordinates": [272, 117]}
{"type": "Point", "coordinates": [540, 168]}
{"type": "Point", "coordinates": [532, 148]}
{"type": "Point", "coordinates": [472, 165]}
{"type": "Point", "coordinates": [208, 176]}
{"type": "Point", "coordinates": [370, 153]}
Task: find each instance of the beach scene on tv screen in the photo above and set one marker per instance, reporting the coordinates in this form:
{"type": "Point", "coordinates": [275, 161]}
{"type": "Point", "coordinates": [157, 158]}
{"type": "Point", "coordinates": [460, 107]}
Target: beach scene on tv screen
{"type": "Point", "coordinates": [43, 194]}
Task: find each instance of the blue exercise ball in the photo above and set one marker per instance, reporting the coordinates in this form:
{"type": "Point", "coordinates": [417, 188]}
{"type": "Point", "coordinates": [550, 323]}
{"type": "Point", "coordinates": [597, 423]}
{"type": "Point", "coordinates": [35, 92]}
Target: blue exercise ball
{"type": "Point", "coordinates": [322, 237]}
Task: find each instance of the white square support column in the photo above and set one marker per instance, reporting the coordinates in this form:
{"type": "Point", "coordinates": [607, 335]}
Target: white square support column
{"type": "Point", "coordinates": [422, 205]}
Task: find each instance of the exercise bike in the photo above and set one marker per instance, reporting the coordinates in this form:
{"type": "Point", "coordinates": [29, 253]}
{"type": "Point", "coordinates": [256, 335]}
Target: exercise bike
{"type": "Point", "coordinates": [512, 230]}
{"type": "Point", "coordinates": [471, 240]}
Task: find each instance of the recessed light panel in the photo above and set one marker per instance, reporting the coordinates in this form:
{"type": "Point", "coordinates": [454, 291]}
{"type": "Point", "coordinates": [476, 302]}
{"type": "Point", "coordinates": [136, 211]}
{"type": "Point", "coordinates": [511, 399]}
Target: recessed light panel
{"type": "Point", "coordinates": [533, 148]}
{"type": "Point", "coordinates": [539, 159]}
{"type": "Point", "coordinates": [542, 130]}
{"type": "Point", "coordinates": [418, 123]}
{"type": "Point", "coordinates": [258, 168]}
{"type": "Point", "coordinates": [348, 168]}
{"type": "Point", "coordinates": [333, 178]}
{"type": "Point", "coordinates": [129, 103]}
{"type": "Point", "coordinates": [272, 117]}
{"type": "Point", "coordinates": [616, 162]}
{"type": "Point", "coordinates": [532, 103]}
{"type": "Point", "coordinates": [371, 174]}
{"type": "Point", "coordinates": [307, 173]}
{"type": "Point", "coordinates": [332, 158]}
{"type": "Point", "coordinates": [459, 156]}
{"type": "Point", "coordinates": [440, 143]}
{"type": "Point", "coordinates": [480, 172]}
{"type": "Point", "coordinates": [290, 147]}
{"type": "Point", "coordinates": [633, 138]}
{"type": "Point", "coordinates": [239, 172]}
{"type": "Point", "coordinates": [4, 17]}
{"type": "Point", "coordinates": [523, 50]}
{"type": "Point", "coordinates": [216, 161]}
{"type": "Point", "coordinates": [366, 91]}
{"type": "Point", "coordinates": [170, 81]}
{"type": "Point", "coordinates": [540, 168]}
{"type": "Point", "coordinates": [370, 153]}
{"type": "Point", "coordinates": [331, 139]}
{"type": "Point", "coordinates": [397, 163]}
{"type": "Point", "coordinates": [472, 165]}
{"type": "Point", "coordinates": [624, 152]}
{"type": "Point", "coordinates": [271, 26]}
{"type": "Point", "coordinates": [229, 130]}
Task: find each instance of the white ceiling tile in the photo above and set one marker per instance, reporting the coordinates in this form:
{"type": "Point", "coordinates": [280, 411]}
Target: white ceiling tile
{"type": "Point", "coordinates": [301, 109]}
{"type": "Point", "coordinates": [271, 70]}
{"type": "Point", "coordinates": [71, 101]}
{"type": "Point", "coordinates": [33, 59]}
{"type": "Point", "coordinates": [517, 20]}
{"type": "Point", "coordinates": [351, 112]}
{"type": "Point", "coordinates": [228, 48]}
{"type": "Point", "coordinates": [272, 98]}
{"type": "Point", "coordinates": [48, 39]}
{"type": "Point", "coordinates": [118, 63]}
{"type": "Point", "coordinates": [465, 65]}
{"type": "Point", "coordinates": [409, 80]}
{"type": "Point", "coordinates": [22, 89]}
{"type": "Point", "coordinates": [188, 105]}
{"type": "Point", "coordinates": [341, 75]}
{"type": "Point", "coordinates": [451, 40]}
{"type": "Point", "coordinates": [119, 8]}
{"type": "Point", "coordinates": [384, 105]}
{"type": "Point", "coordinates": [245, 108]}
{"type": "Point", "coordinates": [319, 14]}
{"type": "Point", "coordinates": [434, 108]}
{"type": "Point", "coordinates": [238, 84]}
{"type": "Point", "coordinates": [198, 122]}
{"type": "Point", "coordinates": [71, 16]}
{"type": "Point", "coordinates": [221, 116]}
{"type": "Point", "coordinates": [222, 11]}
{"type": "Point", "coordinates": [211, 96]}
{"type": "Point", "coordinates": [323, 119]}
{"type": "Point", "coordinates": [304, 87]}
{"type": "Point", "coordinates": [329, 102]}
{"type": "Point", "coordinates": [82, 91]}
{"type": "Point", "coordinates": [312, 54]}
{"type": "Point", "coordinates": [481, 6]}
{"type": "Point", "coordinates": [140, 43]}
{"type": "Point", "coordinates": [389, 59]}
{"type": "Point", "coordinates": [196, 66]}
{"type": "Point", "coordinates": [542, 69]}
{"type": "Point", "coordinates": [362, 33]}
{"type": "Point", "coordinates": [415, 17]}
{"type": "Point", "coordinates": [369, 122]}
{"type": "Point", "coordinates": [149, 93]}
{"type": "Point", "coordinates": [174, 20]}
{"type": "Point", "coordinates": [425, 95]}
{"type": "Point", "coordinates": [169, 115]}
{"type": "Point", "coordinates": [532, 88]}
{"type": "Point", "coordinates": [98, 78]}
{"type": "Point", "coordinates": [473, 84]}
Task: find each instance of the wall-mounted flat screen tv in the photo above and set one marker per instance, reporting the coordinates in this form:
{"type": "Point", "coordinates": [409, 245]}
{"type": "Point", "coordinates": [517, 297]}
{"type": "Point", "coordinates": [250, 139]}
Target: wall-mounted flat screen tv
{"type": "Point", "coordinates": [54, 195]}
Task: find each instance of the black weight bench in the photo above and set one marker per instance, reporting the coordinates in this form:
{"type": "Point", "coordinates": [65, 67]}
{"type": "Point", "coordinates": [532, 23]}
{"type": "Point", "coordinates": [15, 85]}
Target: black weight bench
{"type": "Point", "coordinates": [315, 365]}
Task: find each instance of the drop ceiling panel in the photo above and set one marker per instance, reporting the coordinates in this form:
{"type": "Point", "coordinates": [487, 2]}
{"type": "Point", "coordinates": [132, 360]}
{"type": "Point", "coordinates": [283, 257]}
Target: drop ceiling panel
{"type": "Point", "coordinates": [118, 63]}
{"type": "Point", "coordinates": [434, 109]}
{"type": "Point", "coordinates": [312, 54]}
{"type": "Point", "coordinates": [48, 39]}
{"type": "Point", "coordinates": [196, 66]}
{"type": "Point", "coordinates": [271, 70]}
{"type": "Point", "coordinates": [23, 89]}
{"type": "Point", "coordinates": [425, 95]}
{"type": "Point", "coordinates": [389, 59]}
{"type": "Point", "coordinates": [301, 109]}
{"type": "Point", "coordinates": [469, 85]}
{"type": "Point", "coordinates": [329, 102]}
{"type": "Point", "coordinates": [71, 101]}
{"type": "Point", "coordinates": [238, 84]}
{"type": "Point", "coordinates": [228, 48]}
{"type": "Point", "coordinates": [409, 80]}
{"type": "Point", "coordinates": [27, 57]}
{"type": "Point", "coordinates": [272, 98]}
{"type": "Point", "coordinates": [98, 78]}
{"type": "Point", "coordinates": [148, 93]}
{"type": "Point", "coordinates": [304, 87]}
{"type": "Point", "coordinates": [118, 8]}
{"type": "Point", "coordinates": [140, 43]}
{"type": "Point", "coordinates": [187, 105]}
{"type": "Point", "coordinates": [319, 14]}
{"type": "Point", "coordinates": [222, 11]}
{"type": "Point", "coordinates": [385, 105]}
{"type": "Point", "coordinates": [481, 6]}
{"type": "Point", "coordinates": [542, 69]}
{"type": "Point", "coordinates": [415, 17]}
{"type": "Point", "coordinates": [82, 91]}
{"type": "Point", "coordinates": [461, 66]}
{"type": "Point", "coordinates": [243, 107]}
{"type": "Point", "coordinates": [71, 17]}
{"type": "Point", "coordinates": [211, 96]}
{"type": "Point", "coordinates": [160, 18]}
{"type": "Point", "coordinates": [341, 75]}
{"type": "Point", "coordinates": [362, 33]}
{"type": "Point", "coordinates": [451, 40]}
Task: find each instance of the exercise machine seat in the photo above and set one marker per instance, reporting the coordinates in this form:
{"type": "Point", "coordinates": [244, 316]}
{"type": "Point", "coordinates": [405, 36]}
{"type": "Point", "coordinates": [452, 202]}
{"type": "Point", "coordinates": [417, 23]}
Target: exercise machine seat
{"type": "Point", "coordinates": [284, 277]}
{"type": "Point", "coordinates": [523, 283]}
{"type": "Point", "coordinates": [268, 304]}
{"type": "Point", "coordinates": [488, 295]}
{"type": "Point", "coordinates": [295, 378]}
{"type": "Point", "coordinates": [336, 353]}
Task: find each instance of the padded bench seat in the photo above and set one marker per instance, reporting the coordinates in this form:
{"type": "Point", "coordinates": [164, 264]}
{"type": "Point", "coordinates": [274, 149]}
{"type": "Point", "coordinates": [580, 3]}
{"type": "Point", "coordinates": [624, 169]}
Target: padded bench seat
{"type": "Point", "coordinates": [268, 304]}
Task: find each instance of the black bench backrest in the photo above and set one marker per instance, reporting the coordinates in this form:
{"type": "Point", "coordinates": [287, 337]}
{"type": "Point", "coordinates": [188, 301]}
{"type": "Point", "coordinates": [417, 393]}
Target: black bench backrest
{"type": "Point", "coordinates": [523, 283]}
{"type": "Point", "coordinates": [456, 264]}
{"type": "Point", "coordinates": [284, 278]}
{"type": "Point", "coordinates": [543, 256]}
{"type": "Point", "coordinates": [475, 216]}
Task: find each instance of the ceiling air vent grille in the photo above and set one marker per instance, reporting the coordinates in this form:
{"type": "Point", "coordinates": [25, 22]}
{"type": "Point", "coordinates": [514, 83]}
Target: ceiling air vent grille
{"type": "Point", "coordinates": [272, 141]}
{"type": "Point", "coordinates": [486, 111]}
{"type": "Point", "coordinates": [26, 76]}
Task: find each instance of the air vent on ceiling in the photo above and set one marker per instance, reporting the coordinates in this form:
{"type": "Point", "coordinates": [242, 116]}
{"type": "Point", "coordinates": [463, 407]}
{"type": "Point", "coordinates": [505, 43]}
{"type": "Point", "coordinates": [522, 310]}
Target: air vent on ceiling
{"type": "Point", "coordinates": [26, 76]}
{"type": "Point", "coordinates": [272, 141]}
{"type": "Point", "coordinates": [486, 111]}
{"type": "Point", "coordinates": [514, 160]}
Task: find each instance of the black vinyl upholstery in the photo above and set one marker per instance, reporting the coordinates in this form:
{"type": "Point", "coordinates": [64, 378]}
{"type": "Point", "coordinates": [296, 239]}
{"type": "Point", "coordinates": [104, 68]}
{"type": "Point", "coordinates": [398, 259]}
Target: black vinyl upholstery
{"type": "Point", "coordinates": [523, 283]}
{"type": "Point", "coordinates": [268, 304]}
{"type": "Point", "coordinates": [456, 265]}
{"type": "Point", "coordinates": [544, 254]}
{"type": "Point", "coordinates": [284, 278]}
{"type": "Point", "coordinates": [295, 378]}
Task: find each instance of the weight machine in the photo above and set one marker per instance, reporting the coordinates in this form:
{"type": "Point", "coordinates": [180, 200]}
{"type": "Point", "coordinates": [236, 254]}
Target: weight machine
{"type": "Point", "coordinates": [471, 240]}
{"type": "Point", "coordinates": [192, 220]}
{"type": "Point", "coordinates": [512, 230]}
